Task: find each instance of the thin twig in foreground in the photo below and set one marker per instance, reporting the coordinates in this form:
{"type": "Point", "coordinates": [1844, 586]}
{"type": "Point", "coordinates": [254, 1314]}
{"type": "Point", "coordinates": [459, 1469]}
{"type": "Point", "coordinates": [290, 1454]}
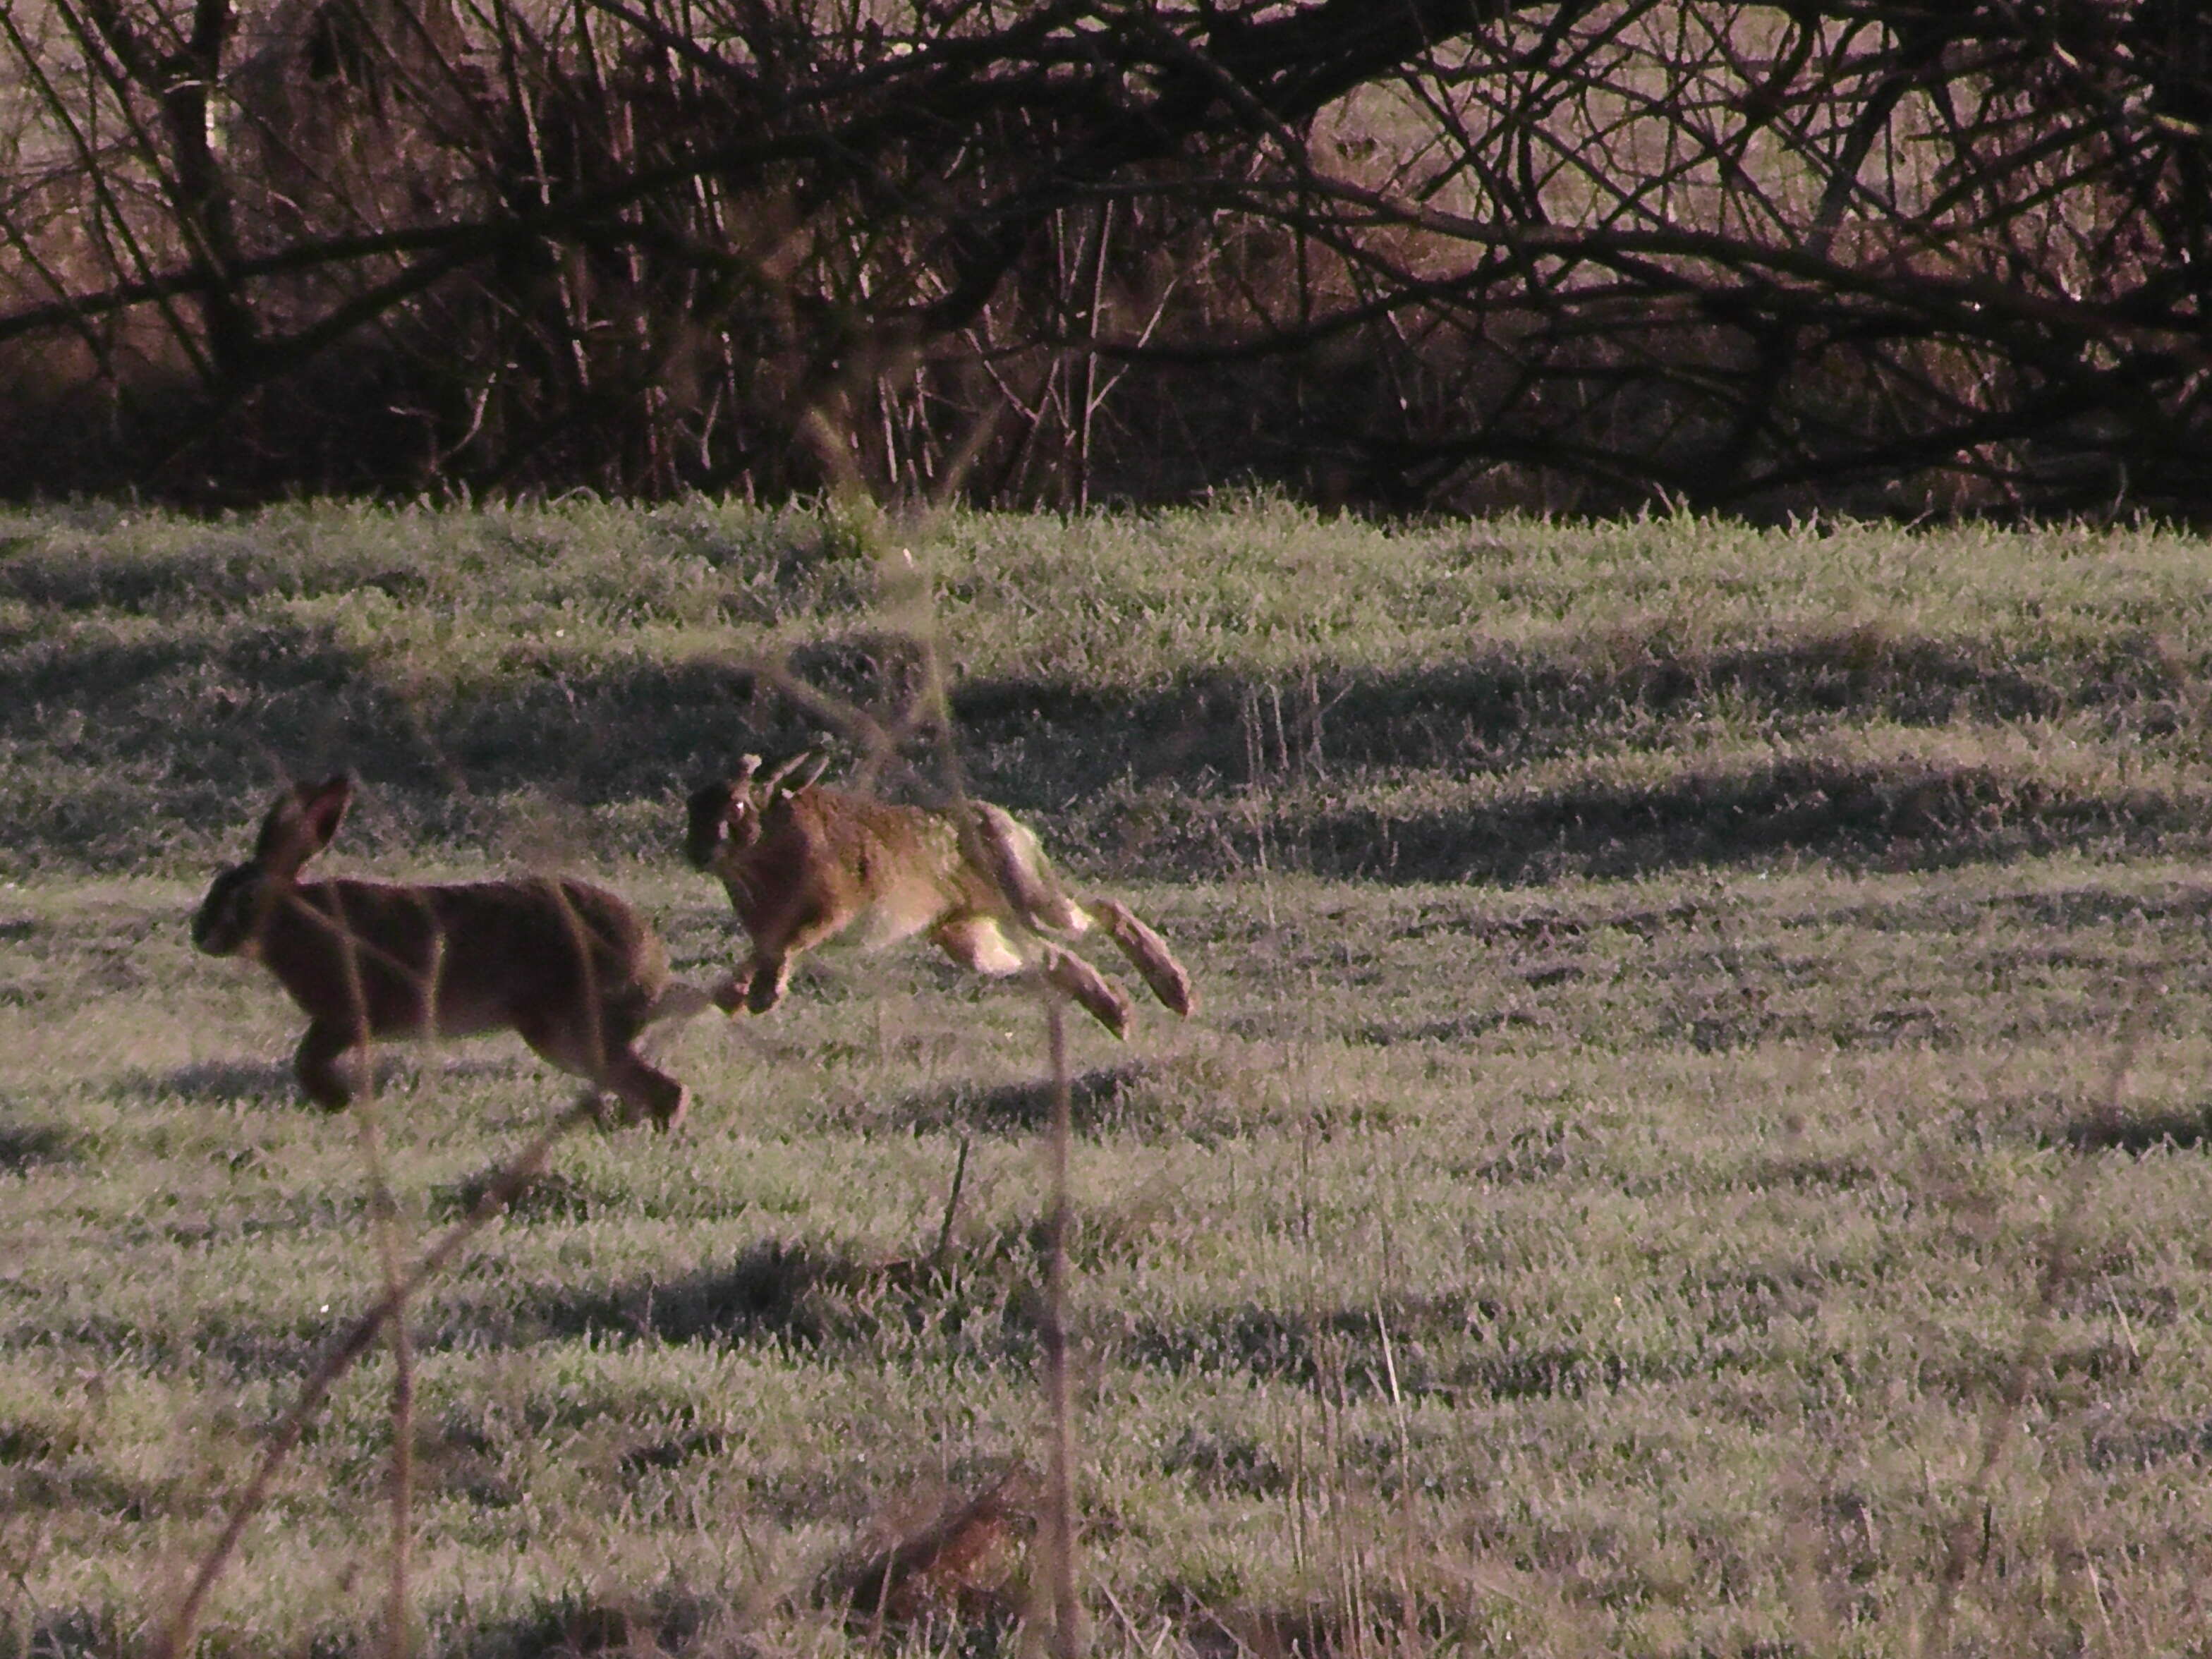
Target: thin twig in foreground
{"type": "Point", "coordinates": [390, 1254]}
{"type": "Point", "coordinates": [176, 1637]}
{"type": "Point", "coordinates": [1060, 1478]}
{"type": "Point", "coordinates": [2062, 1252]}
{"type": "Point", "coordinates": [951, 1206]}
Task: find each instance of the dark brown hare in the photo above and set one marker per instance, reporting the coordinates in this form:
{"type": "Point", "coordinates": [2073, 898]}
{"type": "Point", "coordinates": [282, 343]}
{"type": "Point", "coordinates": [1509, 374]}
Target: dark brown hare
{"type": "Point", "coordinates": [569, 967]}
{"type": "Point", "coordinates": [804, 864]}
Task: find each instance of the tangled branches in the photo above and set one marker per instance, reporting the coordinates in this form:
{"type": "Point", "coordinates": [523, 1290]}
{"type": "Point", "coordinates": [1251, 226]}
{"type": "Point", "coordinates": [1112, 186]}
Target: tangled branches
{"type": "Point", "coordinates": [1405, 253]}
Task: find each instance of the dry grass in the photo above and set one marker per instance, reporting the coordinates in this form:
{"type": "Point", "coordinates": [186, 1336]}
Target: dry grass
{"type": "Point", "coordinates": [1737, 1242]}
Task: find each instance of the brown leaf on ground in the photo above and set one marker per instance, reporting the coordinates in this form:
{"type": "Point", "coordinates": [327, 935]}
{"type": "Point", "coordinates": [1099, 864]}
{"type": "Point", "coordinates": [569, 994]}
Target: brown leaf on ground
{"type": "Point", "coordinates": [959, 1561]}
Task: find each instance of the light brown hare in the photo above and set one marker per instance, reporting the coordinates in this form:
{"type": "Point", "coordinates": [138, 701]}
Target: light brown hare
{"type": "Point", "coordinates": [804, 864]}
{"type": "Point", "coordinates": [567, 966]}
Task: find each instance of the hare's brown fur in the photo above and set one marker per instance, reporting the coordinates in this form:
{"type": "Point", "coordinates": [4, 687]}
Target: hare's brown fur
{"type": "Point", "coordinates": [567, 966]}
{"type": "Point", "coordinates": [804, 864]}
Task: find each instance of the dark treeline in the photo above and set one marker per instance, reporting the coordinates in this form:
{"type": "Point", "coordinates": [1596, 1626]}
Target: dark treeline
{"type": "Point", "coordinates": [1403, 254]}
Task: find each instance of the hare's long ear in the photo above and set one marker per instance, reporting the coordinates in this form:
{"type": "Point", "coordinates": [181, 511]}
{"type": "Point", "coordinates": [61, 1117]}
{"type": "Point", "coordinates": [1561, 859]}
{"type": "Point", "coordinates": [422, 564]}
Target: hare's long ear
{"type": "Point", "coordinates": [775, 782]}
{"type": "Point", "coordinates": [302, 824]}
{"type": "Point", "coordinates": [324, 808]}
{"type": "Point", "coordinates": [741, 786]}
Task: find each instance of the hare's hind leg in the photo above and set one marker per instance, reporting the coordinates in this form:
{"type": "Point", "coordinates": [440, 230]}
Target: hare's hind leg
{"type": "Point", "coordinates": [600, 1051]}
{"type": "Point", "coordinates": [320, 1062]}
{"type": "Point", "coordinates": [1148, 954]}
{"type": "Point", "coordinates": [1100, 998]}
{"type": "Point", "coordinates": [976, 942]}
{"type": "Point", "coordinates": [1016, 862]}
{"type": "Point", "coordinates": [644, 1088]}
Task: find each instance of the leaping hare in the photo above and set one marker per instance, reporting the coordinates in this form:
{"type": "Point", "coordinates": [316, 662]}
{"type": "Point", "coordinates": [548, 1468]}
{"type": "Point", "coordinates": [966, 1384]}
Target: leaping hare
{"type": "Point", "coordinates": [567, 966]}
{"type": "Point", "coordinates": [804, 864]}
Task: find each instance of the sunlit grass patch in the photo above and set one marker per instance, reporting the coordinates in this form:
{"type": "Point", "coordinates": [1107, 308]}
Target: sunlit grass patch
{"type": "Point", "coordinates": [1656, 1018]}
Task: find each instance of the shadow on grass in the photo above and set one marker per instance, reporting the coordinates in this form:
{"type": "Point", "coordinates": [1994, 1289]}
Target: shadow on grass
{"type": "Point", "coordinates": [955, 1597]}
{"type": "Point", "coordinates": [550, 1195]}
{"type": "Point", "coordinates": [981, 1296]}
{"type": "Point", "coordinates": [1903, 816]}
{"type": "Point", "coordinates": [26, 1147]}
{"type": "Point", "coordinates": [798, 1294]}
{"type": "Point", "coordinates": [1239, 1630]}
{"type": "Point", "coordinates": [1503, 702]}
{"type": "Point", "coordinates": [978, 1297]}
{"type": "Point", "coordinates": [2074, 909]}
{"type": "Point", "coordinates": [1381, 1620]}
{"type": "Point", "coordinates": [572, 1625]}
{"type": "Point", "coordinates": [215, 572]}
{"type": "Point", "coordinates": [1433, 1352]}
{"type": "Point", "coordinates": [2105, 1131]}
{"type": "Point", "coordinates": [210, 716]}
{"type": "Point", "coordinates": [215, 1081]}
{"type": "Point", "coordinates": [1095, 1099]}
{"type": "Point", "coordinates": [2146, 1447]}
{"type": "Point", "coordinates": [271, 1083]}
{"type": "Point", "coordinates": [185, 729]}
{"type": "Point", "coordinates": [1180, 1097]}
{"type": "Point", "coordinates": [673, 1451]}
{"type": "Point", "coordinates": [75, 1633]}
{"type": "Point", "coordinates": [189, 729]}
{"type": "Point", "coordinates": [980, 1620]}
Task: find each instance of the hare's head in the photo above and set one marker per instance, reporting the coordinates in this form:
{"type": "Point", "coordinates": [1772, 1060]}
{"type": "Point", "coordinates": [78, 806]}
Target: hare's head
{"type": "Point", "coordinates": [720, 815]}
{"type": "Point", "coordinates": [724, 816]}
{"type": "Point", "coordinates": [299, 825]}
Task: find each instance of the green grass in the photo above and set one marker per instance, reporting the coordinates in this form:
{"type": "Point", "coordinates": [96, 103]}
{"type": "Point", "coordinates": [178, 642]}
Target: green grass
{"type": "Point", "coordinates": [1626, 1251]}
{"type": "Point", "coordinates": [1513, 701]}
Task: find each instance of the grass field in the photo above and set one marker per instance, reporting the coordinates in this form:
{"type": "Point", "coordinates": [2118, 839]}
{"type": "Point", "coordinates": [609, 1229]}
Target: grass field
{"type": "Point", "coordinates": [1693, 1143]}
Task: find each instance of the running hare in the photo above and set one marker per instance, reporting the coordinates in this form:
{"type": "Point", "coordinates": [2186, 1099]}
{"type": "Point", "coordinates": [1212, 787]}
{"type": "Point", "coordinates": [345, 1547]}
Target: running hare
{"type": "Point", "coordinates": [804, 863]}
{"type": "Point", "coordinates": [567, 966]}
